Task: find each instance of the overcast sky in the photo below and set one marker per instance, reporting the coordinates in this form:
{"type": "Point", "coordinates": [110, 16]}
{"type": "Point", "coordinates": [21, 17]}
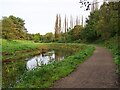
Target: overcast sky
{"type": "Point", "coordinates": [39, 15]}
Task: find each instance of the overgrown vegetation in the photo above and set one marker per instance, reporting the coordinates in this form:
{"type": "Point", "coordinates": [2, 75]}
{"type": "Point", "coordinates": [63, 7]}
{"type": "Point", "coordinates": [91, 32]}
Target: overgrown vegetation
{"type": "Point", "coordinates": [45, 76]}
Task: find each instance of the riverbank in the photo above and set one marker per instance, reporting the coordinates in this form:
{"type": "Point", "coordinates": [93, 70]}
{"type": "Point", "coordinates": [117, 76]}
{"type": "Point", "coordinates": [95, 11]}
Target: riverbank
{"type": "Point", "coordinates": [14, 53]}
{"type": "Point", "coordinates": [46, 75]}
{"type": "Point", "coordinates": [18, 49]}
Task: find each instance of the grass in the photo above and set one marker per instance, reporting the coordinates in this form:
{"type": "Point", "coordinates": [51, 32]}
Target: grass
{"type": "Point", "coordinates": [46, 75]}
{"type": "Point", "coordinates": [17, 45]}
{"type": "Point", "coordinates": [19, 49]}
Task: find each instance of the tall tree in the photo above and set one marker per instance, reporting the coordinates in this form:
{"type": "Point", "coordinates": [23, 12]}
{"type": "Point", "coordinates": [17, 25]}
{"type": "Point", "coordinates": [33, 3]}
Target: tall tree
{"type": "Point", "coordinates": [48, 37]}
{"type": "Point", "coordinates": [71, 21]}
{"type": "Point", "coordinates": [0, 28]}
{"type": "Point", "coordinates": [36, 37]}
{"type": "Point", "coordinates": [56, 27]}
{"type": "Point", "coordinates": [65, 24]}
{"type": "Point", "coordinates": [82, 21]}
{"type": "Point", "coordinates": [59, 24]}
{"type": "Point", "coordinates": [102, 24]}
{"type": "Point", "coordinates": [13, 28]}
{"type": "Point", "coordinates": [77, 20]}
{"type": "Point", "coordinates": [92, 6]}
{"type": "Point", "coordinates": [96, 4]}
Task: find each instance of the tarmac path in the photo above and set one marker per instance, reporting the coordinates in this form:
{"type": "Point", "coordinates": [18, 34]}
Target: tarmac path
{"type": "Point", "coordinates": [96, 72]}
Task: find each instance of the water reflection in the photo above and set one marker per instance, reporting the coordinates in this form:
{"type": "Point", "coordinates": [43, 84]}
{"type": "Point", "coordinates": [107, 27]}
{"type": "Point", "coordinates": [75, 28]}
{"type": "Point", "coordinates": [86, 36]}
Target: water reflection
{"type": "Point", "coordinates": [43, 58]}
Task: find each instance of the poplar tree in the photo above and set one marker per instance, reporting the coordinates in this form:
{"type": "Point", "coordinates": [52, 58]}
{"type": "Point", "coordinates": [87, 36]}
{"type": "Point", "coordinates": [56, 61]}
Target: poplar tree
{"type": "Point", "coordinates": [59, 24]}
{"type": "Point", "coordinates": [71, 21]}
{"type": "Point", "coordinates": [96, 4]}
{"type": "Point", "coordinates": [56, 27]}
{"type": "Point", "coordinates": [65, 24]}
{"type": "Point", "coordinates": [82, 20]}
{"type": "Point", "coordinates": [77, 20]}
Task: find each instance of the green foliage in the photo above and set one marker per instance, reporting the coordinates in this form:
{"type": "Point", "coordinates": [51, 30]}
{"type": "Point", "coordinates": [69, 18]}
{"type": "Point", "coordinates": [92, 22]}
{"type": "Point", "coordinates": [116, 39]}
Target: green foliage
{"type": "Point", "coordinates": [88, 35]}
{"type": "Point", "coordinates": [20, 49]}
{"type": "Point", "coordinates": [102, 27]}
{"type": "Point", "coordinates": [36, 37]}
{"type": "Point", "coordinates": [12, 72]}
{"type": "Point", "coordinates": [16, 47]}
{"type": "Point", "coordinates": [44, 77]}
{"type": "Point", "coordinates": [48, 37]}
{"type": "Point", "coordinates": [13, 57]}
{"type": "Point", "coordinates": [71, 36]}
{"type": "Point", "coordinates": [102, 24]}
{"type": "Point", "coordinates": [13, 46]}
{"type": "Point", "coordinates": [74, 34]}
{"type": "Point", "coordinates": [13, 28]}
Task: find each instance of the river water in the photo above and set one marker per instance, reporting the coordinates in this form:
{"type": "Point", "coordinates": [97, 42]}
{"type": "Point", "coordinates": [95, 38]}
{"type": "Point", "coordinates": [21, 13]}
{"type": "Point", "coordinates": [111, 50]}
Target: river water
{"type": "Point", "coordinates": [43, 58]}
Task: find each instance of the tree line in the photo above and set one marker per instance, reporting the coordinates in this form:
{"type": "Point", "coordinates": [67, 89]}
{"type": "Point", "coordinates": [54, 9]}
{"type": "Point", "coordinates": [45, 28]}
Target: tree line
{"type": "Point", "coordinates": [13, 28]}
{"type": "Point", "coordinates": [101, 25]}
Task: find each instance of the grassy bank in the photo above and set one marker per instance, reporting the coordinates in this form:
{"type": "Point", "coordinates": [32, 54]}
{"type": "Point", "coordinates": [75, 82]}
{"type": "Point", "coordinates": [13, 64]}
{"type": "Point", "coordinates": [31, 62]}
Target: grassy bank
{"type": "Point", "coordinates": [46, 75]}
{"type": "Point", "coordinates": [18, 49]}
{"type": "Point", "coordinates": [13, 57]}
{"type": "Point", "coordinates": [11, 46]}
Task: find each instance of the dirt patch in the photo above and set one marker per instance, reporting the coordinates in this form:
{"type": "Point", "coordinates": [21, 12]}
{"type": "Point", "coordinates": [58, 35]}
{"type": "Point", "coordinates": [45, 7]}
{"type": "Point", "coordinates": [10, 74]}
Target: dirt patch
{"type": "Point", "coordinates": [96, 72]}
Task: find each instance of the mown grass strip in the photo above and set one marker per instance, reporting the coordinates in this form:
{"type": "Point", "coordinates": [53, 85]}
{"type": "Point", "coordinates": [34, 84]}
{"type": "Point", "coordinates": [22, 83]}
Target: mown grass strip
{"type": "Point", "coordinates": [46, 75]}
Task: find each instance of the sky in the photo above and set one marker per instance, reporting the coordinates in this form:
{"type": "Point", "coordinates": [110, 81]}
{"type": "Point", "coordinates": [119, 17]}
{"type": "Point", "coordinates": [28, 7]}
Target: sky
{"type": "Point", "coordinates": [40, 15]}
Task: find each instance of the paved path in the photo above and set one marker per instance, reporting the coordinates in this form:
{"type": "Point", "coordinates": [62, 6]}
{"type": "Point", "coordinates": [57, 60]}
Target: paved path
{"type": "Point", "coordinates": [96, 72]}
